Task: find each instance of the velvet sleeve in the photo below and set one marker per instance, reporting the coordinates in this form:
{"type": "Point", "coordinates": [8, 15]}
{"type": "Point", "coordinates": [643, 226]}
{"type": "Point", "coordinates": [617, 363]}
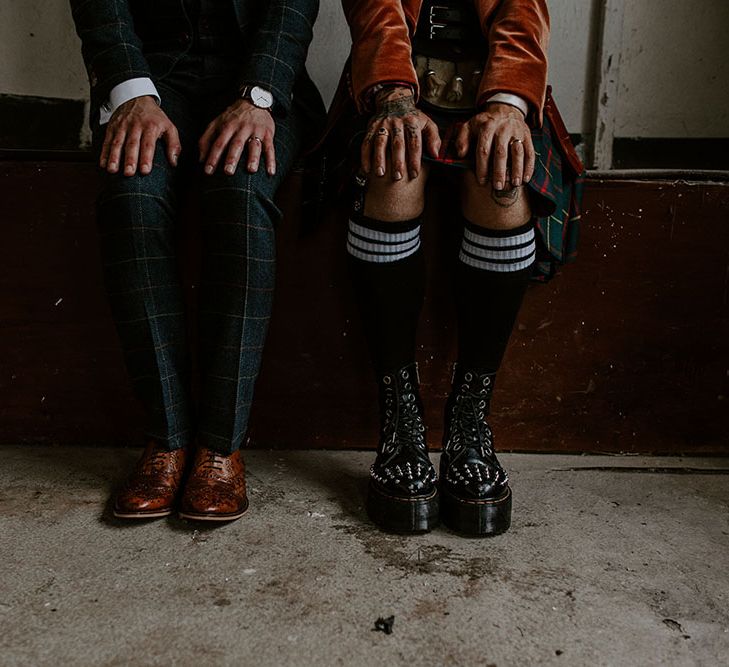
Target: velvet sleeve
{"type": "Point", "coordinates": [518, 35]}
{"type": "Point", "coordinates": [381, 48]}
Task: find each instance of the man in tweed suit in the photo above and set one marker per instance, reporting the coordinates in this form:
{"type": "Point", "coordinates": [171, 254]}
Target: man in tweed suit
{"type": "Point", "coordinates": [216, 91]}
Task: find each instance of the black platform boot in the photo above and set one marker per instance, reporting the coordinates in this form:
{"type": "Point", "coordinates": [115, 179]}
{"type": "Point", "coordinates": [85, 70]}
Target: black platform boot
{"type": "Point", "coordinates": [475, 493]}
{"type": "Point", "coordinates": [403, 495]}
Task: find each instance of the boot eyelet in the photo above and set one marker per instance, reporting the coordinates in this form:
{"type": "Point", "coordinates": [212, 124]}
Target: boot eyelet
{"type": "Point", "coordinates": [387, 379]}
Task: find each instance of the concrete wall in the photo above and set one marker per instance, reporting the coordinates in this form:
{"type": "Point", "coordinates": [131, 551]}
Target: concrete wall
{"type": "Point", "coordinates": [673, 72]}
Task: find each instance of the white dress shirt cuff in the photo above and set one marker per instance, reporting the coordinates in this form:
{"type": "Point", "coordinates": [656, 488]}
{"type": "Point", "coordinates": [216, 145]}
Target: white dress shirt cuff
{"type": "Point", "coordinates": [125, 91]}
{"type": "Point", "coordinates": [513, 100]}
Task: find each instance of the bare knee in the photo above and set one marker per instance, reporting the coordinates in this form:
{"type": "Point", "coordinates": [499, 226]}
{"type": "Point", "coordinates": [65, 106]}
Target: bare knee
{"type": "Point", "coordinates": [395, 201]}
{"type": "Point", "coordinates": [485, 206]}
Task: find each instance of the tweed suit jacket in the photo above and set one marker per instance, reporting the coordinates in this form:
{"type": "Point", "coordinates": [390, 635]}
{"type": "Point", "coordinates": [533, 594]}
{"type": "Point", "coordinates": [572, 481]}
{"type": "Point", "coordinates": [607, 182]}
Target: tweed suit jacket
{"type": "Point", "coordinates": [127, 39]}
{"type": "Point", "coordinates": [517, 32]}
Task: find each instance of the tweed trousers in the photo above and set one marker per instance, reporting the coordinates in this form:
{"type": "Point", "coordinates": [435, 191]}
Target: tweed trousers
{"type": "Point", "coordinates": [137, 220]}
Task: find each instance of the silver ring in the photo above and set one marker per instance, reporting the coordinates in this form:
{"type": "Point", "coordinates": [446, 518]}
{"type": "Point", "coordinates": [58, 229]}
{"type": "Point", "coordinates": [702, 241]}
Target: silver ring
{"type": "Point", "coordinates": [258, 139]}
{"type": "Point", "coordinates": [383, 131]}
{"type": "Point", "coordinates": [515, 141]}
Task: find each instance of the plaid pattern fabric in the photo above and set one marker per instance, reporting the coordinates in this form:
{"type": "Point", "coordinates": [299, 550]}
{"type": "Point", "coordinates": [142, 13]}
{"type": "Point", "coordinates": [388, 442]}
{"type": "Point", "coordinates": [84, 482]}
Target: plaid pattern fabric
{"type": "Point", "coordinates": [137, 221]}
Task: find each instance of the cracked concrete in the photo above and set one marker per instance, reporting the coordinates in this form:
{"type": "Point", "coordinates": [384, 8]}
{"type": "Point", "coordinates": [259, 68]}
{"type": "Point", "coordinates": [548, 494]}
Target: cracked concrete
{"type": "Point", "coordinates": [601, 567]}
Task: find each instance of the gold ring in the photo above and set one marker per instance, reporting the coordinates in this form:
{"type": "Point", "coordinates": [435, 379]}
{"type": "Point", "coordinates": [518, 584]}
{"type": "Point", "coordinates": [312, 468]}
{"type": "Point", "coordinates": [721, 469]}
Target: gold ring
{"type": "Point", "coordinates": [383, 131]}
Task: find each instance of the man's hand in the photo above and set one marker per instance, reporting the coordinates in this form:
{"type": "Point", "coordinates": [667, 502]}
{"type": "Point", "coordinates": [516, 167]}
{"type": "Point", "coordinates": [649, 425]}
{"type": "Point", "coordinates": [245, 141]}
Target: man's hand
{"type": "Point", "coordinates": [499, 133]}
{"type": "Point", "coordinates": [242, 125]}
{"type": "Point", "coordinates": [401, 125]}
{"type": "Point", "coordinates": [133, 131]}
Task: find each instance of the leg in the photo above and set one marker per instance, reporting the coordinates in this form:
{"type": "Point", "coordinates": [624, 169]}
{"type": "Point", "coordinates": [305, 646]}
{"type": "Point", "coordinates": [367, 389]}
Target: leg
{"type": "Point", "coordinates": [238, 275]}
{"type": "Point", "coordinates": [388, 273]}
{"type": "Point", "coordinates": [494, 266]}
{"type": "Point", "coordinates": [136, 218]}
{"type": "Point", "coordinates": [388, 268]}
{"type": "Point", "coordinates": [239, 253]}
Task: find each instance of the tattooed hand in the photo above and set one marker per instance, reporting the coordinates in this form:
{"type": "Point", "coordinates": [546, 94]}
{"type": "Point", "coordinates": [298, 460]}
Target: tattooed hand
{"type": "Point", "coordinates": [401, 126]}
{"type": "Point", "coordinates": [500, 134]}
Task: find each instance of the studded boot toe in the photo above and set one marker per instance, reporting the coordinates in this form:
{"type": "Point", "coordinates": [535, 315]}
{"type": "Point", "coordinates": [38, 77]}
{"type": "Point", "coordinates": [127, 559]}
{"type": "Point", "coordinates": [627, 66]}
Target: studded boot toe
{"type": "Point", "coordinates": [475, 493]}
{"type": "Point", "coordinates": [403, 495]}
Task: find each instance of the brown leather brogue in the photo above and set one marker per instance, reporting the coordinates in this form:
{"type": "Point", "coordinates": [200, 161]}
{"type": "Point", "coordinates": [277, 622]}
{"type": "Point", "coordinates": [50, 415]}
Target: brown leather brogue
{"type": "Point", "coordinates": [152, 488]}
{"type": "Point", "coordinates": [216, 488]}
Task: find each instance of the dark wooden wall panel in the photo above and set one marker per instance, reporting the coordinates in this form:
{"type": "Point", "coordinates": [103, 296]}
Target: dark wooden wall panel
{"type": "Point", "coordinates": [624, 351]}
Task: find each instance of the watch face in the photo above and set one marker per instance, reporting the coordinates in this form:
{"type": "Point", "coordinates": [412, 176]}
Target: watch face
{"type": "Point", "coordinates": [261, 98]}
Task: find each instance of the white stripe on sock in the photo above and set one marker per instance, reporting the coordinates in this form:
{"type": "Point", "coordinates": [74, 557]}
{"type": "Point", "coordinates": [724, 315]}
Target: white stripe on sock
{"type": "Point", "coordinates": [498, 268]}
{"type": "Point", "coordinates": [380, 258]}
{"type": "Point", "coordinates": [381, 248]}
{"type": "Point", "coordinates": [498, 241]}
{"type": "Point", "coordinates": [375, 235]}
{"type": "Point", "coordinates": [506, 253]}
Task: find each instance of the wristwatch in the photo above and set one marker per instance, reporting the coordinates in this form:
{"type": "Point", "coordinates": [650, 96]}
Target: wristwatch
{"type": "Point", "coordinates": [257, 96]}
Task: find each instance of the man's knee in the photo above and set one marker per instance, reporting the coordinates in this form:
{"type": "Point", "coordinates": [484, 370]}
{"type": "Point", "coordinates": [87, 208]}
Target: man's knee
{"type": "Point", "coordinates": [394, 201]}
{"type": "Point", "coordinates": [242, 198]}
{"type": "Point", "coordinates": [486, 206]}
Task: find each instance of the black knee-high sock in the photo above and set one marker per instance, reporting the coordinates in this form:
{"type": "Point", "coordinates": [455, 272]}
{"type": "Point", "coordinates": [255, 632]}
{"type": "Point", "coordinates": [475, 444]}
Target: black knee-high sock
{"type": "Point", "coordinates": [493, 271]}
{"type": "Point", "coordinates": [388, 274]}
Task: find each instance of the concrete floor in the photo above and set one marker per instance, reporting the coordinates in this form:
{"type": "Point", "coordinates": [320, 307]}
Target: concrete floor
{"type": "Point", "coordinates": [601, 567]}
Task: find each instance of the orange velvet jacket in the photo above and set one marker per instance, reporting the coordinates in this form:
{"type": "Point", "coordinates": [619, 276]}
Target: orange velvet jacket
{"type": "Point", "coordinates": [517, 32]}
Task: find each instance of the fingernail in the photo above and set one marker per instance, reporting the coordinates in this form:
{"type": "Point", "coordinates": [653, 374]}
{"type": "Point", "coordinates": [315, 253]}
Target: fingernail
{"type": "Point", "coordinates": [499, 185]}
{"type": "Point", "coordinates": [229, 169]}
{"type": "Point", "coordinates": [174, 159]}
{"type": "Point", "coordinates": [380, 171]}
{"type": "Point", "coordinates": [252, 166]}
{"type": "Point", "coordinates": [112, 165]}
{"type": "Point", "coordinates": [208, 169]}
{"type": "Point", "coordinates": [271, 172]}
{"type": "Point", "coordinates": [129, 169]}
{"type": "Point", "coordinates": [482, 181]}
{"type": "Point", "coordinates": [515, 182]}
{"type": "Point", "coordinates": [413, 175]}
{"type": "Point", "coordinates": [398, 176]}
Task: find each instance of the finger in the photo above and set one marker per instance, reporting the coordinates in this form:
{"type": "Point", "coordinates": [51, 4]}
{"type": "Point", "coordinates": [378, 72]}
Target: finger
{"type": "Point", "coordinates": [366, 151]}
{"type": "Point", "coordinates": [172, 139]}
{"type": "Point", "coordinates": [216, 150]}
{"type": "Point", "coordinates": [146, 152]}
{"type": "Point", "coordinates": [115, 148]}
{"type": "Point", "coordinates": [414, 149]}
{"type": "Point", "coordinates": [106, 147]}
{"type": "Point", "coordinates": [235, 150]}
{"type": "Point", "coordinates": [517, 162]}
{"type": "Point", "coordinates": [206, 140]}
{"type": "Point", "coordinates": [380, 151]}
{"type": "Point", "coordinates": [397, 151]}
{"type": "Point", "coordinates": [463, 139]}
{"type": "Point", "coordinates": [483, 152]}
{"type": "Point", "coordinates": [131, 151]}
{"type": "Point", "coordinates": [431, 138]}
{"type": "Point", "coordinates": [255, 148]}
{"type": "Point", "coordinates": [530, 159]}
{"type": "Point", "coordinates": [501, 158]}
{"type": "Point", "coordinates": [269, 150]}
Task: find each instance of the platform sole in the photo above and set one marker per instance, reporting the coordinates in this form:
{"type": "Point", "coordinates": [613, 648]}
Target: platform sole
{"type": "Point", "coordinates": [194, 516]}
{"type": "Point", "coordinates": [480, 518]}
{"type": "Point", "coordinates": [419, 514]}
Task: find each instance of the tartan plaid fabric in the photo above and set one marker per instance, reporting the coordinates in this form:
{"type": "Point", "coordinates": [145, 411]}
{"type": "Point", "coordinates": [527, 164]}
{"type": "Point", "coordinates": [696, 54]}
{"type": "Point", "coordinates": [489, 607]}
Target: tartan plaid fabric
{"type": "Point", "coordinates": [137, 218]}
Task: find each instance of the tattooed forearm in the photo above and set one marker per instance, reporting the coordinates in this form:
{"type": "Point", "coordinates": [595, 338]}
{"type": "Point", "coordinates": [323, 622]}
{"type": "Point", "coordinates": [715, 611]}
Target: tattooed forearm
{"type": "Point", "coordinates": [505, 198]}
